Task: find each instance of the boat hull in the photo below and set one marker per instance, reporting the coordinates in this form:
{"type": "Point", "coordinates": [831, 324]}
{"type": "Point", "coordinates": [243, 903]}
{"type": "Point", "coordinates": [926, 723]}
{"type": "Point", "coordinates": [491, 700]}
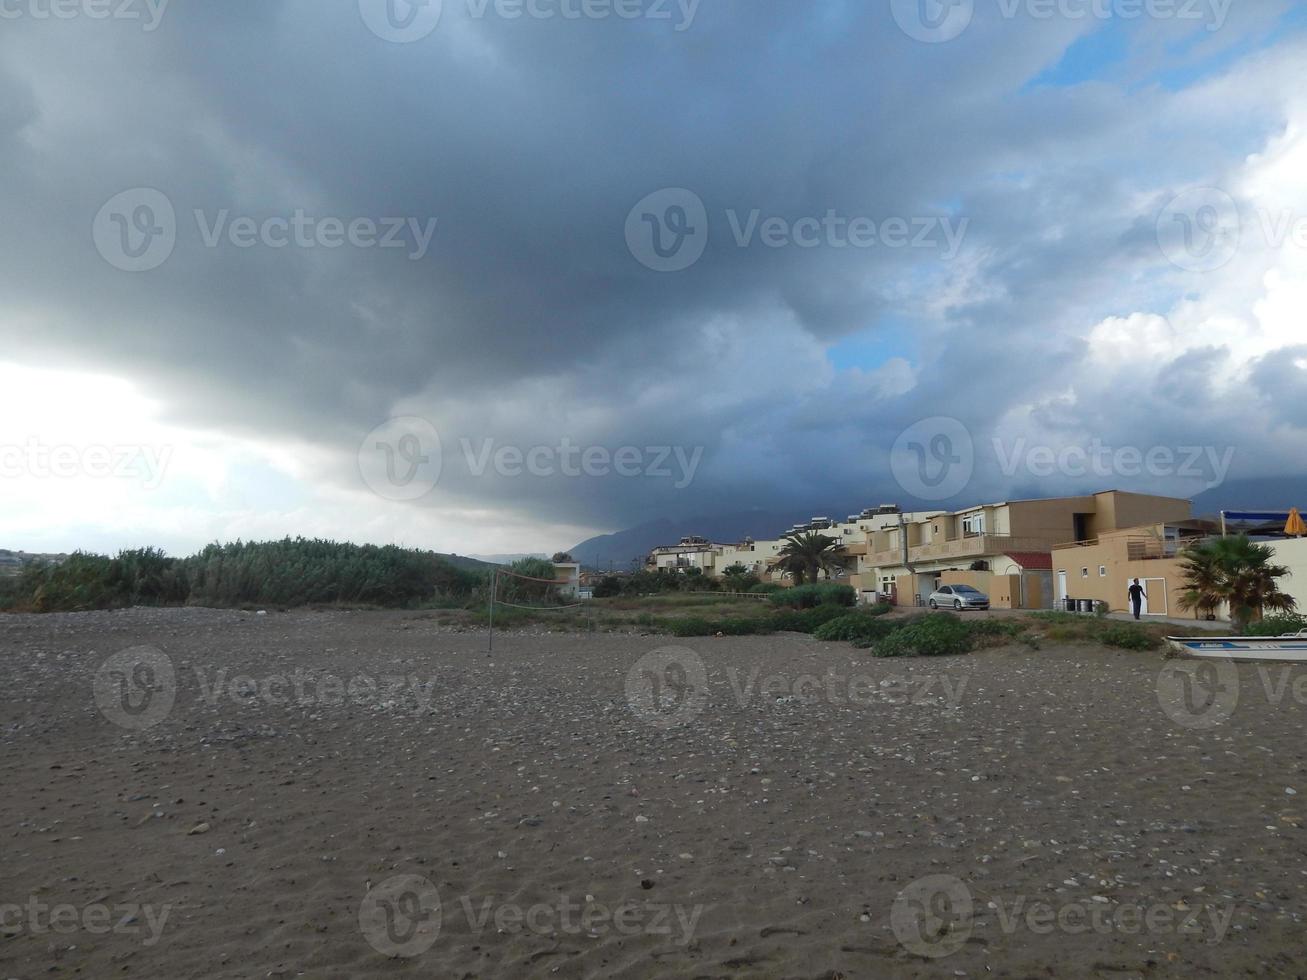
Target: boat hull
{"type": "Point", "coordinates": [1291, 649]}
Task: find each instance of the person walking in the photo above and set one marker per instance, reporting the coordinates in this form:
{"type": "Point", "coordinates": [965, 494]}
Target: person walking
{"type": "Point", "coordinates": [1137, 597]}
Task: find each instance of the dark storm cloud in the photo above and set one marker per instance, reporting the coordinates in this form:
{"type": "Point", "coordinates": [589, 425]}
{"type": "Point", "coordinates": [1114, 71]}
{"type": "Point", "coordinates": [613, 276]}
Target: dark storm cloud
{"type": "Point", "coordinates": [528, 141]}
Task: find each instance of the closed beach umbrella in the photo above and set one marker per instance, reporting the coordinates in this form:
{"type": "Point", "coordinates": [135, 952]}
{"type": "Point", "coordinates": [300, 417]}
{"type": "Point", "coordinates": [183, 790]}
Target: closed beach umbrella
{"type": "Point", "coordinates": [1296, 526]}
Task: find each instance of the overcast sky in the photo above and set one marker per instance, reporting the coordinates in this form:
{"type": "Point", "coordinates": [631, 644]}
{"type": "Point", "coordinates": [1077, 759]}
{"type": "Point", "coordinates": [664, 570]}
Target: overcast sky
{"type": "Point", "coordinates": [492, 277]}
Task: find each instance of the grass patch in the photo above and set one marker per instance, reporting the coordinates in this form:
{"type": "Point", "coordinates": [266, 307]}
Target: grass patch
{"type": "Point", "coordinates": [699, 626]}
{"type": "Point", "coordinates": [1126, 636]}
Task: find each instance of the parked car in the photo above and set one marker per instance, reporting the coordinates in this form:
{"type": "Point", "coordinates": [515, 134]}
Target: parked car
{"type": "Point", "coordinates": [958, 597]}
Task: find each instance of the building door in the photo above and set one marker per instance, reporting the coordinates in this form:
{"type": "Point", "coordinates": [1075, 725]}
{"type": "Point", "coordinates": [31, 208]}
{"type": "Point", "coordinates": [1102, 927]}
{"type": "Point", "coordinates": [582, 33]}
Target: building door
{"type": "Point", "coordinates": [1155, 600]}
{"type": "Point", "coordinates": [1061, 585]}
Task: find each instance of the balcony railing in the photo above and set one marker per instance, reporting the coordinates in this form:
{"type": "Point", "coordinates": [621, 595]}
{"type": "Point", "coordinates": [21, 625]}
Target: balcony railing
{"type": "Point", "coordinates": [1140, 547]}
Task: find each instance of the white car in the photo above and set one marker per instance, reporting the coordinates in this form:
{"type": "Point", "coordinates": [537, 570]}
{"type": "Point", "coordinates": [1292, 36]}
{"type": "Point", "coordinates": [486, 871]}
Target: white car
{"type": "Point", "coordinates": [958, 597]}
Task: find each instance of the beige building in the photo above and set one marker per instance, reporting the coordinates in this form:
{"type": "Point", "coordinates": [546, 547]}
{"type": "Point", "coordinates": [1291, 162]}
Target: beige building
{"type": "Point", "coordinates": [1101, 569]}
{"type": "Point", "coordinates": [692, 552]}
{"type": "Point", "coordinates": [1003, 549]}
{"type": "Point", "coordinates": [567, 576]}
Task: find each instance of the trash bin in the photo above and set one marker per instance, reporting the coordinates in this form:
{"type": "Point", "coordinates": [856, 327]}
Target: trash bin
{"type": "Point", "coordinates": [1085, 605]}
{"type": "Point", "coordinates": [1070, 605]}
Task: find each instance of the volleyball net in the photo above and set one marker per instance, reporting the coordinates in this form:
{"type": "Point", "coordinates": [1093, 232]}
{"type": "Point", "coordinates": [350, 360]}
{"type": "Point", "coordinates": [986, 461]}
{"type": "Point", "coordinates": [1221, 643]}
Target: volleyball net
{"type": "Point", "coordinates": [512, 590]}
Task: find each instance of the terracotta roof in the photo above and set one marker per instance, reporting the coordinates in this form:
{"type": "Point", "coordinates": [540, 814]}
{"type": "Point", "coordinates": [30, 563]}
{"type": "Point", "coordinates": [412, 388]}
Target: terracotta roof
{"type": "Point", "coordinates": [1033, 560]}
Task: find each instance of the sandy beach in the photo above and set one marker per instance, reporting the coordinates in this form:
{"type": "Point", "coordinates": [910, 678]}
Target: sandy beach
{"type": "Point", "coordinates": [197, 793]}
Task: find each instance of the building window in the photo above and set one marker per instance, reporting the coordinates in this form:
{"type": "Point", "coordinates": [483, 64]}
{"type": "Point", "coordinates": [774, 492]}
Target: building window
{"type": "Point", "coordinates": [973, 525]}
{"type": "Point", "coordinates": [1084, 573]}
{"type": "Point", "coordinates": [1102, 571]}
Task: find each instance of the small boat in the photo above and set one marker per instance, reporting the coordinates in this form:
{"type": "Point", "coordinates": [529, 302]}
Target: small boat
{"type": "Point", "coordinates": [1291, 647]}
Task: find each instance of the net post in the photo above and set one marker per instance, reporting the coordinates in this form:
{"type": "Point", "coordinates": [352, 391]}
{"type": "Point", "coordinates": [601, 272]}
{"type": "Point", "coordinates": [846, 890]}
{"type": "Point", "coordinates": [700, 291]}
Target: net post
{"type": "Point", "coordinates": [494, 587]}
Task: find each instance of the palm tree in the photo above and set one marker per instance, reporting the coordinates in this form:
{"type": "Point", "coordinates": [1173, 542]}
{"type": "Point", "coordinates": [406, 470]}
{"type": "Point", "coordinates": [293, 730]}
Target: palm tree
{"type": "Point", "coordinates": [1202, 581]}
{"type": "Point", "coordinates": [1237, 572]}
{"type": "Point", "coordinates": [807, 555]}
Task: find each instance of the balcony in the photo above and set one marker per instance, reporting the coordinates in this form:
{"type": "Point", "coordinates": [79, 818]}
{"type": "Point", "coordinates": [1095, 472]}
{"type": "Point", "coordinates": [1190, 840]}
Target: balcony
{"type": "Point", "coordinates": [970, 547]}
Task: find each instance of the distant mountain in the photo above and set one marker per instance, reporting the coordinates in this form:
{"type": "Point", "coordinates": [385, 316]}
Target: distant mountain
{"type": "Point", "coordinates": [1270, 493]}
{"type": "Point", "coordinates": [504, 559]}
{"type": "Point", "coordinates": [468, 563]}
{"type": "Point", "coordinates": [620, 550]}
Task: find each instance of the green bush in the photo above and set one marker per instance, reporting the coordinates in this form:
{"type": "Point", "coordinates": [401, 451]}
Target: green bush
{"type": "Point", "coordinates": [856, 626]}
{"type": "Point", "coordinates": [766, 588]}
{"type": "Point", "coordinates": [1278, 626]}
{"type": "Point", "coordinates": [276, 573]}
{"type": "Point", "coordinates": [880, 609]}
{"type": "Point", "coordinates": [820, 594]}
{"type": "Point", "coordinates": [937, 635]}
{"type": "Point", "coordinates": [1127, 636]}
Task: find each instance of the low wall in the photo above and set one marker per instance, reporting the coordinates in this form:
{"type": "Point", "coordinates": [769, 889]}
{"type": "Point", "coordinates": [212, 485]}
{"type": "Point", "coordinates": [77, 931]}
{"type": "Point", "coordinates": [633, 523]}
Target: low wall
{"type": "Point", "coordinates": [1293, 553]}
